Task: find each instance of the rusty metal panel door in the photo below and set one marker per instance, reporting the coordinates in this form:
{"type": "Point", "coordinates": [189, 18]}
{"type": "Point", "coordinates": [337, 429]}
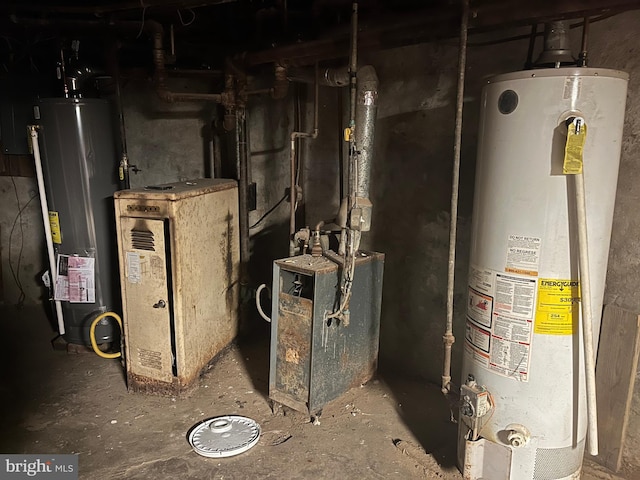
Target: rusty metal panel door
{"type": "Point", "coordinates": [147, 303]}
{"type": "Point", "coordinates": [294, 346]}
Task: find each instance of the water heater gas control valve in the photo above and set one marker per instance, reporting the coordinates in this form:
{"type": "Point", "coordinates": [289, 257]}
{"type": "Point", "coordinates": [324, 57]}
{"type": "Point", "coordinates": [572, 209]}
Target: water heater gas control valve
{"type": "Point", "coordinates": [475, 402]}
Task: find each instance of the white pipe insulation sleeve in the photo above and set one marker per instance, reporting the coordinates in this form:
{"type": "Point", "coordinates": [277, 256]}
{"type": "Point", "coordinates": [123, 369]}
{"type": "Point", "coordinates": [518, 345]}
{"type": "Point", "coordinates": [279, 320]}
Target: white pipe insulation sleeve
{"type": "Point", "coordinates": [45, 220]}
{"type": "Point", "coordinates": [587, 317]}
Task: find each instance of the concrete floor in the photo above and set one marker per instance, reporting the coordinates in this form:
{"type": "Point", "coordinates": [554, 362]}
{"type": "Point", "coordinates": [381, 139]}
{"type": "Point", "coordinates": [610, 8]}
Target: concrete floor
{"type": "Point", "coordinates": [56, 402]}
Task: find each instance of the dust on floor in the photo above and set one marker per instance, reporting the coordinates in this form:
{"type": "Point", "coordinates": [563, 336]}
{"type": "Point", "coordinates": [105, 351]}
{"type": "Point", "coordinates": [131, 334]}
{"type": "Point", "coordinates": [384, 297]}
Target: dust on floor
{"type": "Point", "coordinates": [55, 402]}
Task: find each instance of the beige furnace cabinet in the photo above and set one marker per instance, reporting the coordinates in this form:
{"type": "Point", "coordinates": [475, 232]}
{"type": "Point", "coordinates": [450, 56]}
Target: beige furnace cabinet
{"type": "Point", "coordinates": [179, 267]}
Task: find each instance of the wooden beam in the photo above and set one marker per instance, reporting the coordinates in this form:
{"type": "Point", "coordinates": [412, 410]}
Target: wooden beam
{"type": "Point", "coordinates": [16, 165]}
{"type": "Point", "coordinates": [615, 377]}
{"type": "Point", "coordinates": [435, 23]}
{"type": "Point", "coordinates": [92, 9]}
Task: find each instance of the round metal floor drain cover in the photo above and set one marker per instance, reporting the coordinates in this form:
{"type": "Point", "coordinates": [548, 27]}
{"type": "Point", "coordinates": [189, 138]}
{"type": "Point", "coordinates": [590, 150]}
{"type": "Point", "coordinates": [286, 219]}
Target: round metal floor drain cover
{"type": "Point", "coordinates": [224, 436]}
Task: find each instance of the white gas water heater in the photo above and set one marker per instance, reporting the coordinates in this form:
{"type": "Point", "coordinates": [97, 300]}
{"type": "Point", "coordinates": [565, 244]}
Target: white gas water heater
{"type": "Point", "coordinates": [524, 410]}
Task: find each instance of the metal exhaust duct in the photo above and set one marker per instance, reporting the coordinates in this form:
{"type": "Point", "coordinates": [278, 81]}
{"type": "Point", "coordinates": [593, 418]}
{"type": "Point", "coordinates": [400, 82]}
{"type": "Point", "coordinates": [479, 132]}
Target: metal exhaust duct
{"type": "Point", "coordinates": [557, 51]}
{"type": "Point", "coordinates": [366, 111]}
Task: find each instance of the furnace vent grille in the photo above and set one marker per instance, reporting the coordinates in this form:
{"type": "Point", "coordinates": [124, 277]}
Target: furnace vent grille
{"type": "Point", "coordinates": [552, 463]}
{"type": "Point", "coordinates": [150, 358]}
{"type": "Point", "coordinates": [142, 240]}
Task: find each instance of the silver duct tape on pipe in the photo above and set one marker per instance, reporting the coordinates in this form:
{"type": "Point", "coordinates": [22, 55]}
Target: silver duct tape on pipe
{"type": "Point", "coordinates": [366, 111]}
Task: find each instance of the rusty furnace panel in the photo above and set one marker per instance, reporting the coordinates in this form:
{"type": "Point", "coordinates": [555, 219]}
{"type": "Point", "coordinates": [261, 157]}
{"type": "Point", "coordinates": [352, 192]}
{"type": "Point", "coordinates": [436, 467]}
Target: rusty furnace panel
{"type": "Point", "coordinates": [313, 360]}
{"type": "Point", "coordinates": [294, 346]}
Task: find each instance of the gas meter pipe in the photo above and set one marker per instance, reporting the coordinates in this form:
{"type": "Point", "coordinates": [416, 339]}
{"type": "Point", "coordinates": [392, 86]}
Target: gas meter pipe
{"type": "Point", "coordinates": [294, 166]}
{"type": "Point", "coordinates": [448, 338]}
{"type": "Point", "coordinates": [33, 131]}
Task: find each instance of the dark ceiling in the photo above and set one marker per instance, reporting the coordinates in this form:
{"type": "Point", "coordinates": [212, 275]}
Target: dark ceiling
{"type": "Point", "coordinates": [205, 32]}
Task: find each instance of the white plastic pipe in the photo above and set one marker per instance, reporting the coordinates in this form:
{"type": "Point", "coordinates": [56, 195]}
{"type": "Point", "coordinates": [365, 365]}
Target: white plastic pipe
{"type": "Point", "coordinates": [587, 325]}
{"type": "Point", "coordinates": [45, 219]}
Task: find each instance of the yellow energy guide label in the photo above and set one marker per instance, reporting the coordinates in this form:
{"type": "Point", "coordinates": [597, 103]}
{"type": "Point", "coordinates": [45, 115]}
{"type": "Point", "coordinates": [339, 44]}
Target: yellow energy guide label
{"type": "Point", "coordinates": [558, 307]}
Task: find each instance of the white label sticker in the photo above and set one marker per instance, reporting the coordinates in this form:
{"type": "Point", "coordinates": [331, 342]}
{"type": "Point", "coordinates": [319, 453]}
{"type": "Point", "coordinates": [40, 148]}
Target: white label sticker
{"type": "Point", "coordinates": [75, 282]}
{"type": "Point", "coordinates": [499, 323]}
{"type": "Point", "coordinates": [510, 359]}
{"type": "Point", "coordinates": [572, 87]}
{"type": "Point", "coordinates": [475, 354]}
{"type": "Point", "coordinates": [481, 279]}
{"type": "Point", "coordinates": [133, 267]}
{"type": "Point", "coordinates": [480, 307]}
{"type": "Point", "coordinates": [523, 255]}
{"type": "Point", "coordinates": [478, 337]}
{"type": "Point", "coordinates": [515, 296]}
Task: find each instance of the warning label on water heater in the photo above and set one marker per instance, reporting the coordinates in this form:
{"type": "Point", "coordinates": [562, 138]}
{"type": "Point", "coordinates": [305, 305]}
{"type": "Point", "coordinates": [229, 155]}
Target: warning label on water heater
{"type": "Point", "coordinates": [523, 255]}
{"type": "Point", "coordinates": [75, 280]}
{"type": "Point", "coordinates": [480, 308]}
{"type": "Point", "coordinates": [500, 312]}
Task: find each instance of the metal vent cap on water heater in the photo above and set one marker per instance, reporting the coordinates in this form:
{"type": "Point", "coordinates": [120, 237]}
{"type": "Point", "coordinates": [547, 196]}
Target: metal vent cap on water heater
{"type": "Point", "coordinates": [556, 46]}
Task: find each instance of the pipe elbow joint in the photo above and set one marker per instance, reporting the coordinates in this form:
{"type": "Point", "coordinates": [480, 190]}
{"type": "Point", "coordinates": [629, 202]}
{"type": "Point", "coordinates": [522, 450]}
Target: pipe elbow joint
{"type": "Point", "coordinates": [281, 83]}
{"type": "Point", "coordinates": [154, 27]}
{"type": "Point", "coordinates": [368, 79]}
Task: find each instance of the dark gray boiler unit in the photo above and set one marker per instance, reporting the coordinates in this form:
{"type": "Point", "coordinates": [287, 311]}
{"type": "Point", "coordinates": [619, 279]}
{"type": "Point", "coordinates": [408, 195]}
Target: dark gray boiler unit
{"type": "Point", "coordinates": [314, 359]}
{"type": "Point", "coordinates": [78, 162]}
